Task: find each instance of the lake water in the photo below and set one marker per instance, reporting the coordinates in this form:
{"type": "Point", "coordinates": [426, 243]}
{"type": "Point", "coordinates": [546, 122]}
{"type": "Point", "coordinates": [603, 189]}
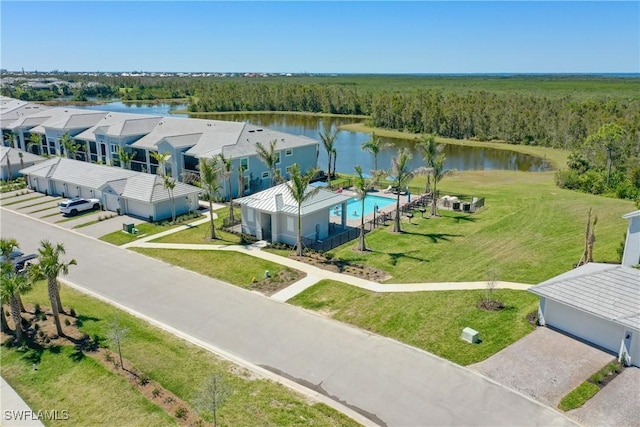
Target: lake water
{"type": "Point", "coordinates": [349, 144]}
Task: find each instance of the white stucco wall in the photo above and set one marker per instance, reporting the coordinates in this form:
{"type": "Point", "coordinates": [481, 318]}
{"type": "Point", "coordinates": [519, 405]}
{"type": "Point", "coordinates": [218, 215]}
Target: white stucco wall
{"type": "Point", "coordinates": [604, 333]}
{"type": "Point", "coordinates": [631, 256]}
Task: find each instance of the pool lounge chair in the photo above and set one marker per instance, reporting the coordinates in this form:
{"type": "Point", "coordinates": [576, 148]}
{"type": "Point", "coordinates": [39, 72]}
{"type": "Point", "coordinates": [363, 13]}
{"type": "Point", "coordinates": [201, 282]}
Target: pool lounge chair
{"type": "Point", "coordinates": [389, 189]}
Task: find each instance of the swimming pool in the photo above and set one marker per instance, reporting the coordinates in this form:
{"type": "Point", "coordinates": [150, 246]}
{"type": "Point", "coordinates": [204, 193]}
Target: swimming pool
{"type": "Point", "coordinates": [354, 206]}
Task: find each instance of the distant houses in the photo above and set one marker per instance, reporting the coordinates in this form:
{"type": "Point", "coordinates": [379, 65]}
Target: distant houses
{"type": "Point", "coordinates": [101, 137]}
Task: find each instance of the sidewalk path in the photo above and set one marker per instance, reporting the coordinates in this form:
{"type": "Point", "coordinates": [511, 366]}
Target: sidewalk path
{"type": "Point", "coordinates": [315, 274]}
{"type": "Point", "coordinates": [15, 412]}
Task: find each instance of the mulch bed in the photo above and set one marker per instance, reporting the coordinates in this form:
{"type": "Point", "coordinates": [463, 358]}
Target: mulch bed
{"type": "Point", "coordinates": [339, 266]}
{"type": "Point", "coordinates": [45, 335]}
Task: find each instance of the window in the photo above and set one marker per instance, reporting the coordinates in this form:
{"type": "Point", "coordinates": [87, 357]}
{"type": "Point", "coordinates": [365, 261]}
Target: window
{"type": "Point", "coordinates": [288, 152]}
{"type": "Point", "coordinates": [114, 149]}
{"type": "Point", "coordinates": [265, 175]}
{"type": "Point", "coordinates": [246, 184]}
{"type": "Point", "coordinates": [288, 169]}
{"type": "Point", "coordinates": [289, 223]}
{"type": "Point", "coordinates": [250, 215]}
{"type": "Point", "coordinates": [278, 158]}
{"type": "Point", "coordinates": [244, 163]}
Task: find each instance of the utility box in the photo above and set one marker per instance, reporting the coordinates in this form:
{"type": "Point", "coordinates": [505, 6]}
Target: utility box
{"type": "Point", "coordinates": [470, 335]}
{"type": "Point", "coordinates": [128, 228]}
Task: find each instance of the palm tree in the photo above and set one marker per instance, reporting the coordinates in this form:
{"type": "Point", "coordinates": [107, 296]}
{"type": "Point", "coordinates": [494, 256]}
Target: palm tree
{"type": "Point", "coordinates": [169, 185]}
{"type": "Point", "coordinates": [209, 178]}
{"type": "Point", "coordinates": [35, 140]}
{"type": "Point", "coordinates": [430, 149]}
{"type": "Point", "coordinates": [7, 245]}
{"type": "Point", "coordinates": [70, 147]}
{"type": "Point", "coordinates": [14, 284]}
{"type": "Point", "coordinates": [21, 155]}
{"type": "Point", "coordinates": [328, 140]}
{"type": "Point", "coordinates": [162, 159]}
{"type": "Point", "coordinates": [10, 174]}
{"type": "Point", "coordinates": [402, 175]}
{"type": "Point", "coordinates": [4, 299]}
{"type": "Point", "coordinates": [269, 157]}
{"type": "Point", "coordinates": [241, 171]}
{"type": "Point", "coordinates": [49, 267]}
{"type": "Point", "coordinates": [301, 191]}
{"type": "Point", "coordinates": [9, 139]}
{"type": "Point", "coordinates": [374, 146]}
{"type": "Point", "coordinates": [438, 172]}
{"type": "Point", "coordinates": [361, 186]}
{"type": "Point", "coordinates": [227, 171]}
{"type": "Point", "coordinates": [125, 157]}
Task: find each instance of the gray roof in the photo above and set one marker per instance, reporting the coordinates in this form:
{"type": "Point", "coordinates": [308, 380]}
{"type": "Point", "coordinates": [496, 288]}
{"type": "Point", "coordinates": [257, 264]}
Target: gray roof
{"type": "Point", "coordinates": [14, 156]}
{"type": "Point", "coordinates": [129, 184]}
{"type": "Point", "coordinates": [265, 201]}
{"type": "Point", "coordinates": [11, 110]}
{"type": "Point", "coordinates": [120, 125]}
{"type": "Point", "coordinates": [59, 118]}
{"type": "Point", "coordinates": [608, 291]}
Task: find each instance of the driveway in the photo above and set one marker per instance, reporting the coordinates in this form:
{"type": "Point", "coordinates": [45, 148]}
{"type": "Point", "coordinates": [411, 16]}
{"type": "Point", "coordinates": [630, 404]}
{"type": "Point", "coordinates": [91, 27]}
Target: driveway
{"type": "Point", "coordinates": [388, 382]}
{"type": "Point", "coordinates": [545, 365]}
{"type": "Point", "coordinates": [617, 404]}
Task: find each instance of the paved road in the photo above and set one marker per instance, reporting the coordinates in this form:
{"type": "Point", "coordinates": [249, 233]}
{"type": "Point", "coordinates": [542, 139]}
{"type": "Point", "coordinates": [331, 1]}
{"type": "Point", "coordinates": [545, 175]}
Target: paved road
{"type": "Point", "coordinates": [388, 382]}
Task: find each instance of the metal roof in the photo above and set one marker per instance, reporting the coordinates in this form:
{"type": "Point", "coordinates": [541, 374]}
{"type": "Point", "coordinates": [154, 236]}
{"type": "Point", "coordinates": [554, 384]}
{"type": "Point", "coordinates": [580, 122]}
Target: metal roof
{"type": "Point", "coordinates": [608, 291]}
{"type": "Point", "coordinates": [266, 201]}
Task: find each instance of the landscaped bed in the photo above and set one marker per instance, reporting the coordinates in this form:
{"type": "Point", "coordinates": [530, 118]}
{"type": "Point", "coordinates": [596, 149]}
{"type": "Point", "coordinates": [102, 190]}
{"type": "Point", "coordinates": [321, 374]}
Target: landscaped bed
{"type": "Point", "coordinates": [95, 394]}
{"type": "Point", "coordinates": [432, 321]}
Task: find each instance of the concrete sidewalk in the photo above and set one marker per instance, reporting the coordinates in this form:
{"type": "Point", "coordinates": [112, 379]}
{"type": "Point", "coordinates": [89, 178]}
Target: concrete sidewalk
{"type": "Point", "coordinates": [320, 274]}
{"type": "Point", "coordinates": [15, 412]}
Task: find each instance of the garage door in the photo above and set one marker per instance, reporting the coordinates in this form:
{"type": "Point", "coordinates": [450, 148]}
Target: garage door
{"type": "Point", "coordinates": [58, 188]}
{"type": "Point", "coordinates": [111, 202]}
{"type": "Point", "coordinates": [139, 209]}
{"type": "Point", "coordinates": [590, 328]}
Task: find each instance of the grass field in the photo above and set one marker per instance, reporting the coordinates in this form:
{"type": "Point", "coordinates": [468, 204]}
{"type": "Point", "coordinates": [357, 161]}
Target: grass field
{"type": "Point", "coordinates": [222, 265]}
{"type": "Point", "coordinates": [432, 321]}
{"type": "Point", "coordinates": [529, 231]}
{"type": "Point", "coordinates": [95, 397]}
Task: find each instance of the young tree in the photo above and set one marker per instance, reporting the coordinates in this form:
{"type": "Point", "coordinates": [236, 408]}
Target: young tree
{"type": "Point", "coordinates": [375, 145]}
{"type": "Point", "coordinates": [362, 187]}
{"type": "Point", "coordinates": [589, 240]}
{"type": "Point", "coordinates": [211, 396]}
{"type": "Point", "coordinates": [269, 157]}
{"type": "Point", "coordinates": [328, 140]}
{"type": "Point", "coordinates": [241, 171]}
{"type": "Point", "coordinates": [117, 334]}
{"type": "Point", "coordinates": [402, 175]}
{"type": "Point", "coordinates": [70, 147]}
{"type": "Point", "coordinates": [49, 267]}
{"type": "Point", "coordinates": [209, 179]}
{"type": "Point", "coordinates": [9, 139]}
{"type": "Point", "coordinates": [13, 285]}
{"type": "Point", "coordinates": [227, 171]}
{"type": "Point", "coordinates": [4, 299]}
{"type": "Point", "coordinates": [169, 185]}
{"type": "Point", "coordinates": [125, 158]}
{"type": "Point", "coordinates": [21, 155]}
{"type": "Point", "coordinates": [430, 150]}
{"type": "Point", "coordinates": [301, 191]}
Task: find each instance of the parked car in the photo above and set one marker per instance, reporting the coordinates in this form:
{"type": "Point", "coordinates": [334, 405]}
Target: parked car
{"type": "Point", "coordinates": [18, 259]}
{"type": "Point", "coordinates": [76, 205]}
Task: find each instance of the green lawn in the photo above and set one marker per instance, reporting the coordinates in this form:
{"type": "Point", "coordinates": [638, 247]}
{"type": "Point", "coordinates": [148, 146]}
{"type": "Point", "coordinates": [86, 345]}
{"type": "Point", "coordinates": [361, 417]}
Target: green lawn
{"type": "Point", "coordinates": [15, 202]}
{"type": "Point", "coordinates": [89, 392]}
{"type": "Point", "coordinates": [222, 265]}
{"type": "Point", "coordinates": [144, 229]}
{"type": "Point", "coordinates": [530, 231]}
{"type": "Point", "coordinates": [432, 321]}
{"type": "Point", "coordinates": [579, 396]}
{"type": "Point", "coordinates": [95, 397]}
{"type": "Point", "coordinates": [201, 234]}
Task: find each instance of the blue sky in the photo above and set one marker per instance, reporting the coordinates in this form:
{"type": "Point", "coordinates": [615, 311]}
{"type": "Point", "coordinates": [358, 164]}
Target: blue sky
{"type": "Point", "coordinates": [322, 37]}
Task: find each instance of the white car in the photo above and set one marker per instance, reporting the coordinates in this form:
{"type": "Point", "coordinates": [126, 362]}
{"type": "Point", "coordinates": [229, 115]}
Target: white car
{"type": "Point", "coordinates": [74, 206]}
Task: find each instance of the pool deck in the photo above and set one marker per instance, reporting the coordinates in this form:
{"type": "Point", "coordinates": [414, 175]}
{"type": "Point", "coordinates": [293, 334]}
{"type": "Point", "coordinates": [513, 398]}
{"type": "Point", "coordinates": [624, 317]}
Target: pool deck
{"type": "Point", "coordinates": [387, 209]}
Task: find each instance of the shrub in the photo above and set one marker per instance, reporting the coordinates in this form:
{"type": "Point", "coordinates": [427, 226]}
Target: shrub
{"type": "Point", "coordinates": [37, 309]}
{"type": "Point", "coordinates": [181, 412]}
{"type": "Point", "coordinates": [72, 312]}
{"type": "Point", "coordinates": [66, 322]}
{"type": "Point", "coordinates": [144, 379]}
{"type": "Point", "coordinates": [156, 392]}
